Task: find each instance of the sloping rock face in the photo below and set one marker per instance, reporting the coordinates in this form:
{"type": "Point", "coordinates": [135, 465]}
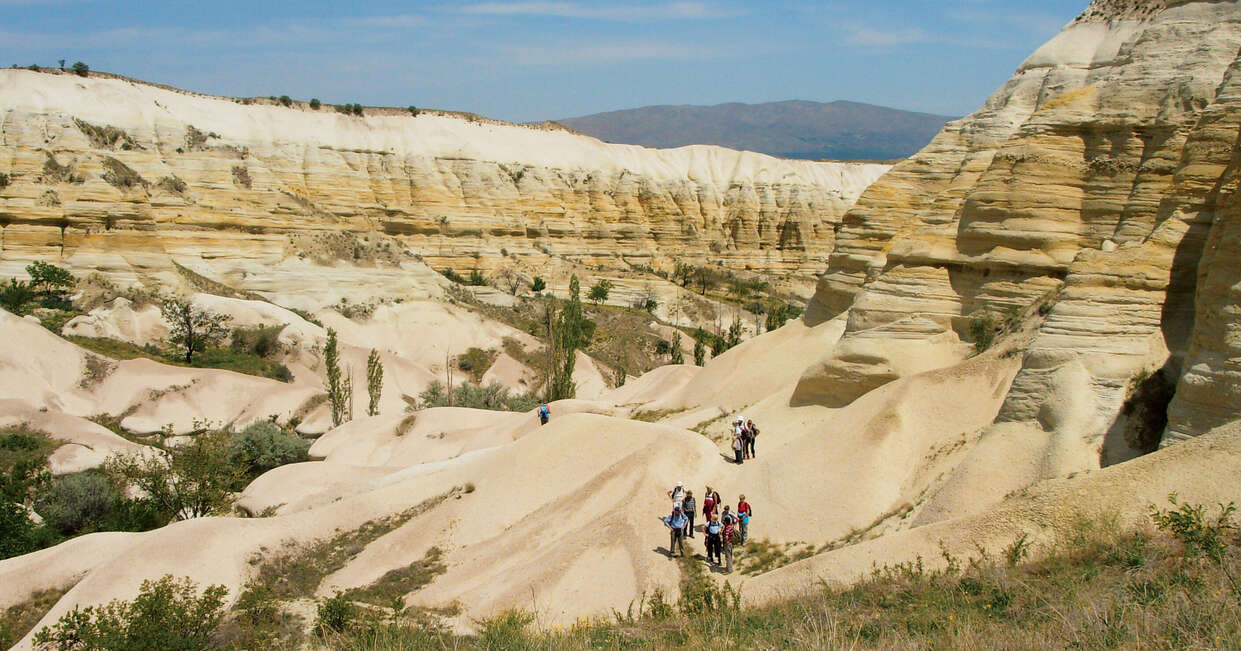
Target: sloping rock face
{"type": "Point", "coordinates": [1074, 207]}
{"type": "Point", "coordinates": [119, 176]}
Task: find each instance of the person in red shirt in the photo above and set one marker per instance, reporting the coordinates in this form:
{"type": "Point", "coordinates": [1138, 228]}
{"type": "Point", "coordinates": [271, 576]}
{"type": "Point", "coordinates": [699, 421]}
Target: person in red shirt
{"type": "Point", "coordinates": [743, 516]}
{"type": "Point", "coordinates": [710, 502]}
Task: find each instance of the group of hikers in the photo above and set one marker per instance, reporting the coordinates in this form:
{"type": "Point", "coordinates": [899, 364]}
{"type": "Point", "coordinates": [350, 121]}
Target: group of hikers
{"type": "Point", "coordinates": [744, 432]}
{"type": "Point", "coordinates": [722, 527]}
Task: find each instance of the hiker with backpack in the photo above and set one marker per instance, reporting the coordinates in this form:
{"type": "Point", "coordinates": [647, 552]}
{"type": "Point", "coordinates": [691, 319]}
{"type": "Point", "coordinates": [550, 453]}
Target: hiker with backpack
{"type": "Point", "coordinates": [677, 494]}
{"type": "Point", "coordinates": [545, 414]}
{"type": "Point", "coordinates": [710, 503]}
{"type": "Point", "coordinates": [676, 531]}
{"type": "Point", "coordinates": [712, 530]}
{"type": "Point", "coordinates": [753, 434]}
{"type": "Point", "coordinates": [688, 506]}
{"type": "Point", "coordinates": [743, 518]}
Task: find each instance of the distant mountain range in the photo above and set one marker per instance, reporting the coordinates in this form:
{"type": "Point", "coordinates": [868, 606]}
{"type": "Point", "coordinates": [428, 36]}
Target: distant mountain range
{"type": "Point", "coordinates": [793, 129]}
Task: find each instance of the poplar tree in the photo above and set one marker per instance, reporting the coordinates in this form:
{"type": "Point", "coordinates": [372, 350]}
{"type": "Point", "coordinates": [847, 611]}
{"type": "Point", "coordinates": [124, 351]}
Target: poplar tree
{"type": "Point", "coordinates": [339, 389]}
{"type": "Point", "coordinates": [566, 331]}
{"type": "Point", "coordinates": [374, 382]}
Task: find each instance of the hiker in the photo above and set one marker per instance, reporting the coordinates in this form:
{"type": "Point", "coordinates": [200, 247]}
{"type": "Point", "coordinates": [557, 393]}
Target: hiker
{"type": "Point", "coordinates": [727, 535]}
{"type": "Point", "coordinates": [743, 516]}
{"type": "Point", "coordinates": [676, 531]}
{"type": "Point", "coordinates": [688, 506]}
{"type": "Point", "coordinates": [712, 530]}
{"type": "Point", "coordinates": [709, 503]}
{"type": "Point", "coordinates": [677, 494]}
{"type": "Point", "coordinates": [545, 414]}
{"type": "Point", "coordinates": [738, 444]}
{"type": "Point", "coordinates": [750, 439]}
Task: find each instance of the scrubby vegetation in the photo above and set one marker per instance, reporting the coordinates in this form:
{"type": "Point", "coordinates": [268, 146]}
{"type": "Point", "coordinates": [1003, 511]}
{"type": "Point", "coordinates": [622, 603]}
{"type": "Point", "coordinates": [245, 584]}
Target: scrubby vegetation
{"type": "Point", "coordinates": [1095, 587]}
{"type": "Point", "coordinates": [167, 614]}
{"type": "Point", "coordinates": [476, 361]}
{"type": "Point", "coordinates": [263, 446]}
{"type": "Point", "coordinates": [120, 175]}
{"type": "Point", "coordinates": [494, 396]}
{"type": "Point", "coordinates": [199, 477]}
{"type": "Point", "coordinates": [70, 505]}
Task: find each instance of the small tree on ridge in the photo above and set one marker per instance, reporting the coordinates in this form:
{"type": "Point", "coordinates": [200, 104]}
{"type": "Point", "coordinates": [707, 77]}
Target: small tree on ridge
{"type": "Point", "coordinates": [191, 328]}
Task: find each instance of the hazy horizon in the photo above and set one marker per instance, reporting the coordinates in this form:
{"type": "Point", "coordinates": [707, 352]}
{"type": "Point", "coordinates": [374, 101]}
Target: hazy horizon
{"type": "Point", "coordinates": [531, 61]}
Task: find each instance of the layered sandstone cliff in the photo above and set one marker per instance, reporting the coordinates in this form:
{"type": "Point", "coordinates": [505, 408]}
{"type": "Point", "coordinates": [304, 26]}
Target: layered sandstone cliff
{"type": "Point", "coordinates": [1071, 212]}
{"type": "Point", "coordinates": [120, 176]}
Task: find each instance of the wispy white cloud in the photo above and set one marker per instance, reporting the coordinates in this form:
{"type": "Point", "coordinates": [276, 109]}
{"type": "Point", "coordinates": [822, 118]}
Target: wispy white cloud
{"type": "Point", "coordinates": [300, 31]}
{"type": "Point", "coordinates": [612, 12]}
{"type": "Point", "coordinates": [864, 36]}
{"type": "Point", "coordinates": [580, 53]}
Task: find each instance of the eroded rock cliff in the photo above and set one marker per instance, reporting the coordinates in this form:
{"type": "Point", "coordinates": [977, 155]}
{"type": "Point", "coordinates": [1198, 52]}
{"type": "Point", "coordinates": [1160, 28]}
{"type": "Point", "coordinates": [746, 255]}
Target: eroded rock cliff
{"type": "Point", "coordinates": [1070, 212]}
{"type": "Point", "coordinates": [119, 176]}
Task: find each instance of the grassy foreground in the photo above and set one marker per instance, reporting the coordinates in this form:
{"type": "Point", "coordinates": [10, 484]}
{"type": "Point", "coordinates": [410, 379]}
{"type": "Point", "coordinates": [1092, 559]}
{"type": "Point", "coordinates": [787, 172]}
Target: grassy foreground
{"type": "Point", "coordinates": [1095, 588]}
{"type": "Point", "coordinates": [1173, 585]}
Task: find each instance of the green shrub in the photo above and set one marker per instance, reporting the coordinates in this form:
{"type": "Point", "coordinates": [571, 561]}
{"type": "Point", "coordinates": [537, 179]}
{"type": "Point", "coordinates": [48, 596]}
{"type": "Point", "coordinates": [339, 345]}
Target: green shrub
{"type": "Point", "coordinates": [982, 331]}
{"type": "Point", "coordinates": [600, 290]}
{"type": "Point", "coordinates": [263, 341]}
{"type": "Point", "coordinates": [335, 615]}
{"type": "Point", "coordinates": [77, 503]}
{"type": "Point", "coordinates": [18, 533]}
{"type": "Point", "coordinates": [453, 276]}
{"type": "Point", "coordinates": [196, 479]}
{"type": "Point", "coordinates": [315, 103]}
{"type": "Point", "coordinates": [538, 284]}
{"type": "Point", "coordinates": [48, 278]}
{"type": "Point", "coordinates": [413, 110]}
{"type": "Point", "coordinates": [285, 100]}
{"type": "Point", "coordinates": [263, 446]}
{"type": "Point", "coordinates": [477, 279]}
{"type": "Point", "coordinates": [166, 614]}
{"type": "Point", "coordinates": [494, 396]}
{"type": "Point", "coordinates": [81, 69]}
{"type": "Point", "coordinates": [507, 630]}
{"type": "Point", "coordinates": [15, 296]}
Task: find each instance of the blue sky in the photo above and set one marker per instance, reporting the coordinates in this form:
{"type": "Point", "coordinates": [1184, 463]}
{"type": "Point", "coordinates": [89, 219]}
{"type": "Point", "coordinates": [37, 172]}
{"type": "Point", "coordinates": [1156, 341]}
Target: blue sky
{"type": "Point", "coordinates": [533, 60]}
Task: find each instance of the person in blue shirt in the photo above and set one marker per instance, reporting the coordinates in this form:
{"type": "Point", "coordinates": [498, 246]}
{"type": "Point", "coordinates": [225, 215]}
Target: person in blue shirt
{"type": "Point", "coordinates": [545, 414]}
{"type": "Point", "coordinates": [676, 522]}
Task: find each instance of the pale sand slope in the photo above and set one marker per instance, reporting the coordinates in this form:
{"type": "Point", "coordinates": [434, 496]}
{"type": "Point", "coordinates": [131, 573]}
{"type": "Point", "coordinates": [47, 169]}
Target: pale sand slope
{"type": "Point", "coordinates": [554, 503]}
{"type": "Point", "coordinates": [1202, 471]}
{"type": "Point", "coordinates": [130, 106]}
{"type": "Point", "coordinates": [564, 518]}
{"type": "Point", "coordinates": [508, 522]}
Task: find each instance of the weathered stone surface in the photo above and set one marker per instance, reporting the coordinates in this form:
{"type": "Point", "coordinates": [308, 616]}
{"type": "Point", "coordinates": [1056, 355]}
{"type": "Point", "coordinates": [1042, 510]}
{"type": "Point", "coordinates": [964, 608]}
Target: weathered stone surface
{"type": "Point", "coordinates": [1088, 182]}
{"type": "Point", "coordinates": [250, 188]}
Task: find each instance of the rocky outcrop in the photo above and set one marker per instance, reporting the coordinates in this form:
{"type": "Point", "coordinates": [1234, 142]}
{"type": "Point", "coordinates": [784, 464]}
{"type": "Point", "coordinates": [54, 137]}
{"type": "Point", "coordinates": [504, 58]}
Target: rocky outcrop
{"type": "Point", "coordinates": [1076, 202]}
{"type": "Point", "coordinates": [121, 176]}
